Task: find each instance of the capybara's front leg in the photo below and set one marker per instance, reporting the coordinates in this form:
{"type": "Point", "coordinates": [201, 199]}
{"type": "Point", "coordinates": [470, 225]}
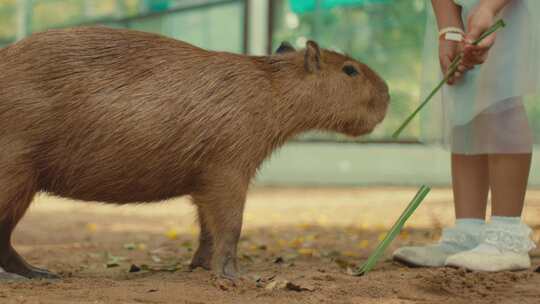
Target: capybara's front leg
{"type": "Point", "coordinates": [223, 207]}
{"type": "Point", "coordinates": [203, 256]}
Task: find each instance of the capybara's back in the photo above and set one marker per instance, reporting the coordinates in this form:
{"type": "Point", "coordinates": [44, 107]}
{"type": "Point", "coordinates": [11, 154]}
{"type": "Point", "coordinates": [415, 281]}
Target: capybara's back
{"type": "Point", "coordinates": [121, 116]}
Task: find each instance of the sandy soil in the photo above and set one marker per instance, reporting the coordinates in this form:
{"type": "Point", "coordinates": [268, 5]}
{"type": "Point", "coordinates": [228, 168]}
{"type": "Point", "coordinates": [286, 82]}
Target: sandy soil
{"type": "Point", "coordinates": [295, 248]}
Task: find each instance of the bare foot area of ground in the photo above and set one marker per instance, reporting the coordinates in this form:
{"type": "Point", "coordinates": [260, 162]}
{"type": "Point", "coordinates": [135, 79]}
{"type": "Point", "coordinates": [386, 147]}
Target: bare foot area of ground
{"type": "Point", "coordinates": [296, 247]}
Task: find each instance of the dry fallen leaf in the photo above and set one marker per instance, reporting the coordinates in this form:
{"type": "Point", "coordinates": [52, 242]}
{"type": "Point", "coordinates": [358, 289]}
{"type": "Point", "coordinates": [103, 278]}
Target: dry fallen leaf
{"type": "Point", "coordinates": [129, 246]}
{"type": "Point", "coordinates": [276, 285]}
{"type": "Point", "coordinates": [141, 246]}
{"type": "Point", "coordinates": [134, 268]}
{"type": "Point", "coordinates": [113, 261]}
{"type": "Point", "coordinates": [342, 263]}
{"type": "Point", "coordinates": [279, 260]}
{"type": "Point", "coordinates": [297, 242]}
{"type": "Point", "coordinates": [287, 285]}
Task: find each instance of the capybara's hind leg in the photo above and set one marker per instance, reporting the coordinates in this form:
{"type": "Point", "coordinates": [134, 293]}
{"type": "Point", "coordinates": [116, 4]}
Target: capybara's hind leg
{"type": "Point", "coordinates": [17, 189]}
{"type": "Point", "coordinates": [223, 208]}
{"type": "Point", "coordinates": [203, 256]}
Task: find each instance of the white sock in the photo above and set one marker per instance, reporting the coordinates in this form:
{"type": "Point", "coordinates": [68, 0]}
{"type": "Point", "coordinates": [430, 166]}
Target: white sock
{"type": "Point", "coordinates": [505, 220]}
{"type": "Point", "coordinates": [472, 226]}
{"type": "Point", "coordinates": [498, 221]}
{"type": "Point", "coordinates": [466, 230]}
{"type": "Point", "coordinates": [469, 224]}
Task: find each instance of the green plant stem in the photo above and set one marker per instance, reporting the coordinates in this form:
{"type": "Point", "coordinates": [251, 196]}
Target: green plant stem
{"type": "Point", "coordinates": [394, 231]}
{"type": "Point", "coordinates": [451, 70]}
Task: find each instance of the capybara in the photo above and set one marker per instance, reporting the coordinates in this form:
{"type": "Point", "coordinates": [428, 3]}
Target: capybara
{"type": "Point", "coordinates": [122, 116]}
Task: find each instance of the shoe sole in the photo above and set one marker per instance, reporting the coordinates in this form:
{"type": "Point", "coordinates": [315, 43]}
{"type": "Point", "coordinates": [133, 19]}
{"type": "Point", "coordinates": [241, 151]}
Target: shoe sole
{"type": "Point", "coordinates": [410, 264]}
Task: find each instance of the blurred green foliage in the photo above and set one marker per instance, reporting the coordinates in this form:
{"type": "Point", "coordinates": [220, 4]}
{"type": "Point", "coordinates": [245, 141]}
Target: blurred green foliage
{"type": "Point", "coordinates": [388, 36]}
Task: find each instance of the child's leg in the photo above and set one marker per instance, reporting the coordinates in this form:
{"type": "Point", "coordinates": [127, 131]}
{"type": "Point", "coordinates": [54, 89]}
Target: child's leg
{"type": "Point", "coordinates": [505, 242]}
{"type": "Point", "coordinates": [508, 176]}
{"type": "Point", "coordinates": [470, 184]}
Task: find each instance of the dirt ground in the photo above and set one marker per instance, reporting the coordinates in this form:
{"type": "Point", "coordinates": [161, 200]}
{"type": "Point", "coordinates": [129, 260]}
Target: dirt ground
{"type": "Point", "coordinates": [296, 247]}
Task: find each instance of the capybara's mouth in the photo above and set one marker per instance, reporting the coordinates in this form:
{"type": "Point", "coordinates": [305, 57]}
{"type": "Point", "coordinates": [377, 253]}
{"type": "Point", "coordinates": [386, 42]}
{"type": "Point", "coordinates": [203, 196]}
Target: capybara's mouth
{"type": "Point", "coordinates": [356, 129]}
{"type": "Point", "coordinates": [379, 109]}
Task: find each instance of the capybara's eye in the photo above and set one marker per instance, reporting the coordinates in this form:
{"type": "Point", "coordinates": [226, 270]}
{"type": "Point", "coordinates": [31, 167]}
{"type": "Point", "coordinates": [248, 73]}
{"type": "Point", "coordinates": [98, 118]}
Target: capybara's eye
{"type": "Point", "coordinates": [350, 70]}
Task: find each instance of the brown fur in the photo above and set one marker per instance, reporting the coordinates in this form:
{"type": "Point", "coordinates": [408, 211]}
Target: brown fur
{"type": "Point", "coordinates": [122, 116]}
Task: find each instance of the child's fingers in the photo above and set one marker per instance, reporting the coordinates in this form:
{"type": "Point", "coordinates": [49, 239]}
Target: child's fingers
{"type": "Point", "coordinates": [462, 68]}
{"type": "Point", "coordinates": [445, 63]}
{"type": "Point", "coordinates": [477, 54]}
{"type": "Point", "coordinates": [454, 78]}
{"type": "Point", "coordinates": [486, 43]}
{"type": "Point", "coordinates": [474, 57]}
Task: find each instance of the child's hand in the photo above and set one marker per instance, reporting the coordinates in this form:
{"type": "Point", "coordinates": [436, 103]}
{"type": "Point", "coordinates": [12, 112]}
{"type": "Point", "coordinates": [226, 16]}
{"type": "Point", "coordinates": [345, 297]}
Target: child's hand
{"type": "Point", "coordinates": [448, 50]}
{"type": "Point", "coordinates": [479, 20]}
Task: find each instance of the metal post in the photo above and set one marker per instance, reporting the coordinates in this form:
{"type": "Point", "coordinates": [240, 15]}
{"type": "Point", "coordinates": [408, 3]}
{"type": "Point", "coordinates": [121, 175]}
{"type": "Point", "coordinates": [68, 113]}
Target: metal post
{"type": "Point", "coordinates": [245, 27]}
{"type": "Point", "coordinates": [258, 26]}
{"type": "Point", "coordinates": [88, 9]}
{"type": "Point", "coordinates": [317, 22]}
{"type": "Point", "coordinates": [24, 18]}
{"type": "Point", "coordinates": [120, 8]}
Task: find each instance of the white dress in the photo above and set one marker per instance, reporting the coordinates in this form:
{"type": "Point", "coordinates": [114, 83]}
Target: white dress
{"type": "Point", "coordinates": [483, 113]}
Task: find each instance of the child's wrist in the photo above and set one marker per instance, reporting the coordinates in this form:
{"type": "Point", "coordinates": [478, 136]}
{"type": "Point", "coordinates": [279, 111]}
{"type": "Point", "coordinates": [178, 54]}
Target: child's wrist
{"type": "Point", "coordinates": [451, 33]}
{"type": "Point", "coordinates": [493, 6]}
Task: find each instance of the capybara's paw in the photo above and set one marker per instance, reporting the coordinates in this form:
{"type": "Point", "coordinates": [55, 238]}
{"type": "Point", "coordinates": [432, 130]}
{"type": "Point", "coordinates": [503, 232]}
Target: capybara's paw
{"type": "Point", "coordinates": [11, 277]}
{"type": "Point", "coordinates": [201, 259]}
{"type": "Point", "coordinates": [196, 263]}
{"type": "Point", "coordinates": [224, 283]}
{"type": "Point", "coordinates": [225, 267]}
{"type": "Point", "coordinates": [37, 273]}
{"type": "Point", "coordinates": [232, 283]}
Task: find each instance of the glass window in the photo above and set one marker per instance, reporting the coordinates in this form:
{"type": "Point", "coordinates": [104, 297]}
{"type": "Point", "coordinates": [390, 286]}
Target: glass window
{"type": "Point", "coordinates": [8, 22]}
{"type": "Point", "coordinates": [212, 24]}
{"type": "Point", "coordinates": [217, 27]}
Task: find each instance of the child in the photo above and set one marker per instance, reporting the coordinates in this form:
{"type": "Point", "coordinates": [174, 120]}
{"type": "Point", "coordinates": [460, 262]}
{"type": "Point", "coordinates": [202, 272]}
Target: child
{"type": "Point", "coordinates": [485, 126]}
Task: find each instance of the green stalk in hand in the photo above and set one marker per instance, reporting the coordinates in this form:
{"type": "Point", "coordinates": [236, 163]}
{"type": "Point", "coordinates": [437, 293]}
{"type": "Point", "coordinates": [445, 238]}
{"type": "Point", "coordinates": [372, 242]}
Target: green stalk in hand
{"type": "Point", "coordinates": [451, 71]}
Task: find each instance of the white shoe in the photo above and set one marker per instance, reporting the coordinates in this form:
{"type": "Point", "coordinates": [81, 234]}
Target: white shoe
{"type": "Point", "coordinates": [453, 240]}
{"type": "Point", "coordinates": [502, 248]}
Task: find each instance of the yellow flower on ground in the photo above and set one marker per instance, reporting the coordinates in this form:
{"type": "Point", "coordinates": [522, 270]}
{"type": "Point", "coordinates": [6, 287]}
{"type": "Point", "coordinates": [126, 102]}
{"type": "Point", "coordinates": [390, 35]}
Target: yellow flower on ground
{"type": "Point", "coordinates": [363, 244]}
{"type": "Point", "coordinates": [91, 227]}
{"type": "Point", "coordinates": [306, 251]}
{"type": "Point", "coordinates": [172, 234]}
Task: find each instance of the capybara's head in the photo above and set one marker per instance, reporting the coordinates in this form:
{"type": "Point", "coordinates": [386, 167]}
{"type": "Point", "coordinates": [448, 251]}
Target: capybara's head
{"type": "Point", "coordinates": [346, 95]}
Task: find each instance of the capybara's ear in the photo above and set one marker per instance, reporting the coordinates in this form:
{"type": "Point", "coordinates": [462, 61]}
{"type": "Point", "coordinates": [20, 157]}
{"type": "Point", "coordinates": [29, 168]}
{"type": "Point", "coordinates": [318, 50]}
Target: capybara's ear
{"type": "Point", "coordinates": [285, 47]}
{"type": "Point", "coordinates": [312, 57]}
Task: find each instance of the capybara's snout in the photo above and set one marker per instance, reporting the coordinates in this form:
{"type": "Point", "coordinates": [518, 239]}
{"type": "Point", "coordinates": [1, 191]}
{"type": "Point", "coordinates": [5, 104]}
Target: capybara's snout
{"type": "Point", "coordinates": [372, 103]}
